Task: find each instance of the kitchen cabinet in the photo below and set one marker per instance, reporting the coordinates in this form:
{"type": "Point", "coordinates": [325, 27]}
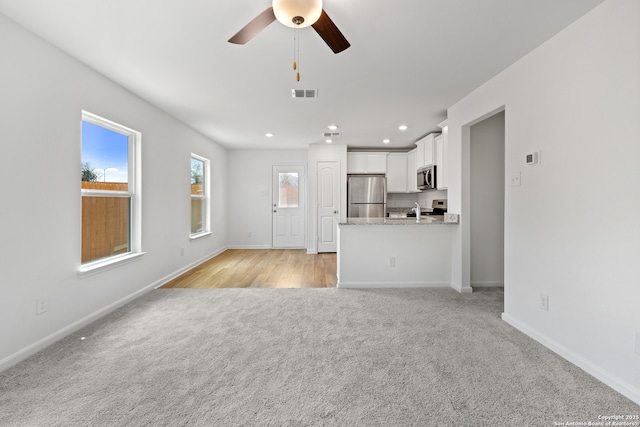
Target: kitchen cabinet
{"type": "Point", "coordinates": [397, 173]}
{"type": "Point", "coordinates": [419, 154]}
{"type": "Point", "coordinates": [412, 182]}
{"type": "Point", "coordinates": [439, 160]}
{"type": "Point", "coordinates": [425, 150]}
{"type": "Point", "coordinates": [441, 156]}
{"type": "Point", "coordinates": [401, 172]}
{"type": "Point", "coordinates": [367, 162]}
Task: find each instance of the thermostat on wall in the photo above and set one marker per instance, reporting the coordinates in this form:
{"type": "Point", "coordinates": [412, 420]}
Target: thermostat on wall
{"type": "Point", "coordinates": [532, 158]}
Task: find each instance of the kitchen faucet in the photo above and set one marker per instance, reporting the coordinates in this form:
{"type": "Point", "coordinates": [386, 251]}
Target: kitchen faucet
{"type": "Point", "coordinates": [417, 211]}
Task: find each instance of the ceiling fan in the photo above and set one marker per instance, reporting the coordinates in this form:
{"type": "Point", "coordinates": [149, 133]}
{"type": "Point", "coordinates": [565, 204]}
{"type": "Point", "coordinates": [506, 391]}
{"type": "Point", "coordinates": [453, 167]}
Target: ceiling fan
{"type": "Point", "coordinates": [295, 14]}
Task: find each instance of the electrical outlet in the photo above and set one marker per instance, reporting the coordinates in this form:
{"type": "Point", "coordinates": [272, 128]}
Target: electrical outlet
{"type": "Point", "coordinates": [637, 345]}
{"type": "Point", "coordinates": [249, 234]}
{"type": "Point", "coordinates": [515, 179]}
{"type": "Point", "coordinates": [544, 302]}
{"type": "Point", "coordinates": [392, 261]}
{"type": "Point", "coordinates": [181, 251]}
{"type": "Point", "coordinates": [42, 304]}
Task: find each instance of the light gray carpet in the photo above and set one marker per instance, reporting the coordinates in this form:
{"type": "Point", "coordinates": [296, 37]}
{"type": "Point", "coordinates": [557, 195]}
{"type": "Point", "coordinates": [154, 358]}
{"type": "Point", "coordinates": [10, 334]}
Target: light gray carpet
{"type": "Point", "coordinates": [298, 357]}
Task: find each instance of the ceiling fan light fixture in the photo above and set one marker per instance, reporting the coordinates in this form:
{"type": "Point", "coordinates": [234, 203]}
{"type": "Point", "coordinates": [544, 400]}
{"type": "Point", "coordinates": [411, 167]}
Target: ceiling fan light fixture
{"type": "Point", "coordinates": [289, 12]}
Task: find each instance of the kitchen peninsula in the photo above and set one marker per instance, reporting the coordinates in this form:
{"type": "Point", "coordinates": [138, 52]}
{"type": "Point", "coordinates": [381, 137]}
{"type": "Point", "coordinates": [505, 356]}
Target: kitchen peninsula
{"type": "Point", "coordinates": [385, 253]}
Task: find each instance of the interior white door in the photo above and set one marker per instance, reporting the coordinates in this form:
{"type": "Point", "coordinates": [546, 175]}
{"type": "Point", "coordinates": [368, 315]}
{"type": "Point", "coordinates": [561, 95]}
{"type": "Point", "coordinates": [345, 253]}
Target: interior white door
{"type": "Point", "coordinates": [289, 185]}
{"type": "Point", "coordinates": [328, 205]}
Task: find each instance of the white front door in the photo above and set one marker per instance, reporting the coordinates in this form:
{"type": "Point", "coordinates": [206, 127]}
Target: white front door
{"type": "Point", "coordinates": [328, 205]}
{"type": "Point", "coordinates": [289, 185]}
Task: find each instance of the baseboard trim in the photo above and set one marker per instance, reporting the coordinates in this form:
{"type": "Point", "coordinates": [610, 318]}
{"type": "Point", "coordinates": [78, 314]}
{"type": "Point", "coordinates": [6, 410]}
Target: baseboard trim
{"type": "Point", "coordinates": [378, 285]}
{"type": "Point", "coordinates": [45, 342]}
{"type": "Point", "coordinates": [487, 284]}
{"type": "Point", "coordinates": [462, 289]}
{"type": "Point", "coordinates": [612, 381]}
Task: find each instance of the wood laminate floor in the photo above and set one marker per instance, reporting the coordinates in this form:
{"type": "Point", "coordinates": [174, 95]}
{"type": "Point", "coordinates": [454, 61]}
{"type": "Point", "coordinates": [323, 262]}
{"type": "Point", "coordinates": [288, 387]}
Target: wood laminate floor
{"type": "Point", "coordinates": [261, 268]}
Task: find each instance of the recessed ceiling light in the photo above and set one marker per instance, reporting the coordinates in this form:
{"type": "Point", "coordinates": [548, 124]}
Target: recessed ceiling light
{"type": "Point", "coordinates": [329, 141]}
{"type": "Point", "coordinates": [333, 127]}
{"type": "Point", "coordinates": [386, 141]}
{"type": "Point", "coordinates": [403, 127]}
{"type": "Point", "coordinates": [268, 135]}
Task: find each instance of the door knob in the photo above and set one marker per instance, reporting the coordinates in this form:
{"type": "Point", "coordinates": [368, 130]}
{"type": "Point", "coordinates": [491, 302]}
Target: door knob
{"type": "Point", "coordinates": [275, 210]}
{"type": "Point", "coordinates": [335, 212]}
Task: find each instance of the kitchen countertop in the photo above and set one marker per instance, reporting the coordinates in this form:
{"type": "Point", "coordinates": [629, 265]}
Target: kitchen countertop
{"type": "Point", "coordinates": [425, 220]}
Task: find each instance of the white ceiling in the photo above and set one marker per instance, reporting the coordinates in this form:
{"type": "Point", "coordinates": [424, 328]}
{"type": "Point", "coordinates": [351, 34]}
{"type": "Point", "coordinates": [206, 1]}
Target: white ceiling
{"type": "Point", "coordinates": [409, 60]}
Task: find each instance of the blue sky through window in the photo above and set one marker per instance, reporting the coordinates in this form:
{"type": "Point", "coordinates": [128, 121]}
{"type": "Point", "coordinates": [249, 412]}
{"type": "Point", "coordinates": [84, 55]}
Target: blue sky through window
{"type": "Point", "coordinates": [107, 151]}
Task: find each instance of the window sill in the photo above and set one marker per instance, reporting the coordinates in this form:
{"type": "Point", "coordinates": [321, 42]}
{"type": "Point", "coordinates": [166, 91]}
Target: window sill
{"type": "Point", "coordinates": [199, 235]}
{"type": "Point", "coordinates": [99, 266]}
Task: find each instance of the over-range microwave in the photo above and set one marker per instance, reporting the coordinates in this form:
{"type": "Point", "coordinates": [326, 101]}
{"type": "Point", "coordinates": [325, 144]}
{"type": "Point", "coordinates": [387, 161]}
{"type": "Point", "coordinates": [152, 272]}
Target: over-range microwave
{"type": "Point", "coordinates": [427, 178]}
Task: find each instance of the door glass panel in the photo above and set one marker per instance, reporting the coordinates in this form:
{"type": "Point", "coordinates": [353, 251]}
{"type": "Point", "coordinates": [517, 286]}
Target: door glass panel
{"type": "Point", "coordinates": [288, 190]}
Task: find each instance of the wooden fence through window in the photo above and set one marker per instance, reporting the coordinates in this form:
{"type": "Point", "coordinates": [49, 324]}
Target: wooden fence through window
{"type": "Point", "coordinates": [105, 222]}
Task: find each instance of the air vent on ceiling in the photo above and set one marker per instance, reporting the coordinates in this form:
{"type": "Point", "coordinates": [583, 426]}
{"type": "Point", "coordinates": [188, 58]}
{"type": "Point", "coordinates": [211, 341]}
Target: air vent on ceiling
{"type": "Point", "coordinates": [304, 93]}
{"type": "Point", "coordinates": [331, 134]}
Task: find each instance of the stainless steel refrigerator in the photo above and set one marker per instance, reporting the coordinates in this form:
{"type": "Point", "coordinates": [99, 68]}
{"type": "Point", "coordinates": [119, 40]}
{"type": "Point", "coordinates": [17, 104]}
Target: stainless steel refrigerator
{"type": "Point", "coordinates": [366, 196]}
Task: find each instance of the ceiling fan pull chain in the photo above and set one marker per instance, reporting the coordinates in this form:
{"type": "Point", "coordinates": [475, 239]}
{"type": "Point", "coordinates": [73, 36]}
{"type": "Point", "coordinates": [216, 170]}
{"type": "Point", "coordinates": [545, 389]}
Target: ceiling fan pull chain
{"type": "Point", "coordinates": [297, 52]}
{"type": "Point", "coordinates": [295, 63]}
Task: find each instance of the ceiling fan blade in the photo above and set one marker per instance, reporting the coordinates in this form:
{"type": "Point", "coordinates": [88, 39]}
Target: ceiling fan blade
{"type": "Point", "coordinates": [331, 35]}
{"type": "Point", "coordinates": [258, 24]}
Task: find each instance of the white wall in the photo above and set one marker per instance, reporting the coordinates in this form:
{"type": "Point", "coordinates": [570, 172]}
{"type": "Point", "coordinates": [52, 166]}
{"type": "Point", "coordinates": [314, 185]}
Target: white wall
{"type": "Point", "coordinates": [576, 99]}
{"type": "Point", "coordinates": [43, 94]}
{"type": "Point", "coordinates": [487, 202]}
{"type": "Point", "coordinates": [250, 194]}
{"type": "Point", "coordinates": [421, 253]}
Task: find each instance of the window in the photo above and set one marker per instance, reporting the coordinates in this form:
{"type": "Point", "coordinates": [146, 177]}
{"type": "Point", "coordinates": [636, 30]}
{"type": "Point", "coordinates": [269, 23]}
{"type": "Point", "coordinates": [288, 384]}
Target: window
{"type": "Point", "coordinates": [110, 191]}
{"type": "Point", "coordinates": [199, 196]}
{"type": "Point", "coordinates": [288, 190]}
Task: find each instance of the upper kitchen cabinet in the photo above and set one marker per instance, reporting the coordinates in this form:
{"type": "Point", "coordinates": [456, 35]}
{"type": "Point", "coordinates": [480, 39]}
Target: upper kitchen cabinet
{"type": "Point", "coordinates": [441, 157]}
{"type": "Point", "coordinates": [397, 173]}
{"type": "Point", "coordinates": [439, 160]}
{"type": "Point", "coordinates": [401, 172]}
{"type": "Point", "coordinates": [426, 150]}
{"type": "Point", "coordinates": [358, 162]}
{"type": "Point", "coordinates": [412, 167]}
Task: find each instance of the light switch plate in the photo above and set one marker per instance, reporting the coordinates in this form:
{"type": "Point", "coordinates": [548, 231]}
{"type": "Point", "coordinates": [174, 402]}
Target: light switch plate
{"type": "Point", "coordinates": [544, 302]}
{"type": "Point", "coordinates": [515, 179]}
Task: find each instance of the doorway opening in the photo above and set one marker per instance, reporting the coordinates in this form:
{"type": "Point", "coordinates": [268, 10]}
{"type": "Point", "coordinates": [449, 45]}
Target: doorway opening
{"type": "Point", "coordinates": [487, 201]}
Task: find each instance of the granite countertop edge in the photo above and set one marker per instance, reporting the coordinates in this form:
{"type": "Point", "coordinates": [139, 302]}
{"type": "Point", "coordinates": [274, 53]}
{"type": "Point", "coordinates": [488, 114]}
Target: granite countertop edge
{"type": "Point", "coordinates": [392, 221]}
